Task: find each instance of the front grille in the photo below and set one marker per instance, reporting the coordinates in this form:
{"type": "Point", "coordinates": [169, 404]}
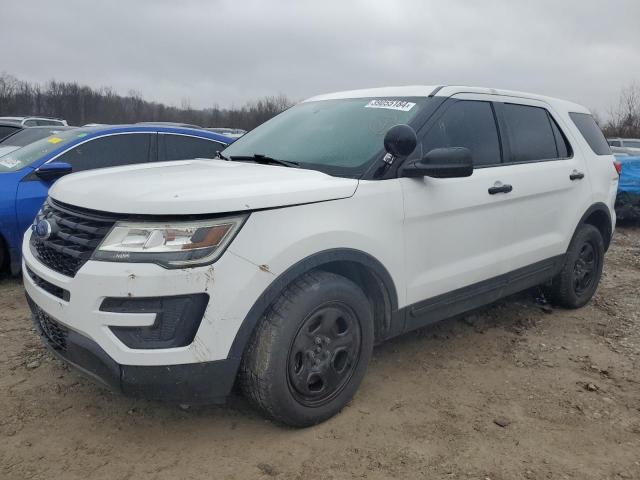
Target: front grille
{"type": "Point", "coordinates": [48, 286]}
{"type": "Point", "coordinates": [75, 234]}
{"type": "Point", "coordinates": [53, 332]}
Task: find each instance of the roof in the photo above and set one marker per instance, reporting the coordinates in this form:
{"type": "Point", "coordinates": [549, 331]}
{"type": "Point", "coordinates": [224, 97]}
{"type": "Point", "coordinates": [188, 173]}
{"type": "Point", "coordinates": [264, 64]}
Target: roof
{"type": "Point", "coordinates": [445, 91]}
{"type": "Point", "coordinates": [196, 132]}
{"type": "Point", "coordinates": [19, 119]}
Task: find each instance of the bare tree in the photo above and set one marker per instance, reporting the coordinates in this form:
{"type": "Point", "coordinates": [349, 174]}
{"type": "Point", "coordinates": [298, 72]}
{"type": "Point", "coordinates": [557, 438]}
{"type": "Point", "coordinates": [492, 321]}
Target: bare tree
{"type": "Point", "coordinates": [80, 104]}
{"type": "Point", "coordinates": [624, 118]}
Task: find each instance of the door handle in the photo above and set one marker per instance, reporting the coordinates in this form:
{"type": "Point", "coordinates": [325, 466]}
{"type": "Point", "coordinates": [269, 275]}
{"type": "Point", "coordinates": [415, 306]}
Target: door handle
{"type": "Point", "coordinates": [576, 175]}
{"type": "Point", "coordinates": [500, 189]}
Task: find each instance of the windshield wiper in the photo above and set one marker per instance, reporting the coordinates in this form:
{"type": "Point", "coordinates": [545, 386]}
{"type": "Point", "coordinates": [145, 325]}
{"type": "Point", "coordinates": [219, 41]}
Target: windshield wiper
{"type": "Point", "coordinates": [260, 158]}
{"type": "Point", "coordinates": [220, 155]}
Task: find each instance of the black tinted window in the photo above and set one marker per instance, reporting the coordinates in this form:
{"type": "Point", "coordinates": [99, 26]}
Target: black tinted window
{"type": "Point", "coordinates": [469, 124]}
{"type": "Point", "coordinates": [6, 130]}
{"type": "Point", "coordinates": [180, 147]}
{"type": "Point", "coordinates": [615, 143]}
{"type": "Point", "coordinates": [111, 151]}
{"type": "Point", "coordinates": [591, 133]}
{"type": "Point", "coordinates": [562, 144]}
{"type": "Point", "coordinates": [530, 133]}
{"type": "Point", "coordinates": [46, 123]}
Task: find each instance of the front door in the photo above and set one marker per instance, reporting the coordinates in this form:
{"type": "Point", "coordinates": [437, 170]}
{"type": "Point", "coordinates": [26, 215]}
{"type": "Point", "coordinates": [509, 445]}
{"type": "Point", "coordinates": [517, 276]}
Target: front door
{"type": "Point", "coordinates": [454, 228]}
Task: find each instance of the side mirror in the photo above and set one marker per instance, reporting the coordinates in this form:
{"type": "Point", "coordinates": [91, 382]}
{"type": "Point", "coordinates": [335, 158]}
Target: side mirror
{"type": "Point", "coordinates": [400, 140]}
{"type": "Point", "coordinates": [453, 162]}
{"type": "Point", "coordinates": [53, 171]}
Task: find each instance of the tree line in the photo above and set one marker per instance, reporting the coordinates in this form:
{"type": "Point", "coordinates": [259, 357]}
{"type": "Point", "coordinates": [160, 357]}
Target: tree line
{"type": "Point", "coordinates": [80, 104]}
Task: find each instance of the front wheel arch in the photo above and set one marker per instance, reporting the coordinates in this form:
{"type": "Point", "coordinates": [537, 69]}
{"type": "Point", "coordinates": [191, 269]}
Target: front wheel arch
{"type": "Point", "coordinates": [351, 263]}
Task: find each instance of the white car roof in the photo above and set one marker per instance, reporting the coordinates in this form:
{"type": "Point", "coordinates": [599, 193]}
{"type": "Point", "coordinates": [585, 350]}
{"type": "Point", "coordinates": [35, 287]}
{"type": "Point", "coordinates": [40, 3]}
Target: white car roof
{"type": "Point", "coordinates": [445, 91]}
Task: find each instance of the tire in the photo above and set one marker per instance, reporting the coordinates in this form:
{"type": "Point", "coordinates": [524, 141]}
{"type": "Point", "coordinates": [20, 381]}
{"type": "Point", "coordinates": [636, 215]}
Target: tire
{"type": "Point", "coordinates": [578, 280]}
{"type": "Point", "coordinates": [310, 350]}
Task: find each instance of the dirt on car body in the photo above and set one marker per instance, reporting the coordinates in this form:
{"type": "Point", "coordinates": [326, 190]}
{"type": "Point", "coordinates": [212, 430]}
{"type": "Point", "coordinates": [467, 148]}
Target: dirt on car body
{"type": "Point", "coordinates": [518, 390]}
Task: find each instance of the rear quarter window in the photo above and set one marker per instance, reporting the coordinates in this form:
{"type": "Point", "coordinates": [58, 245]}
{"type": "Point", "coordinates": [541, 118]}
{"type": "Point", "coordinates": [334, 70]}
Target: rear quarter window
{"type": "Point", "coordinates": [591, 132]}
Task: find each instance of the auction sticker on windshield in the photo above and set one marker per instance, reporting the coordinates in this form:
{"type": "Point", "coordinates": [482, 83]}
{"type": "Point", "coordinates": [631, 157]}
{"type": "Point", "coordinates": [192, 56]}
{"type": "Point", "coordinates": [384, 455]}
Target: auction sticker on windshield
{"type": "Point", "coordinates": [401, 105]}
{"type": "Point", "coordinates": [9, 162]}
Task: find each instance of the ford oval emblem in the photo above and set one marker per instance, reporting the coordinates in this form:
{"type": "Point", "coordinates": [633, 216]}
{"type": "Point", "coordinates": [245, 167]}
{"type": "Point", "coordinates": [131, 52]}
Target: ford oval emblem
{"type": "Point", "coordinates": [42, 229]}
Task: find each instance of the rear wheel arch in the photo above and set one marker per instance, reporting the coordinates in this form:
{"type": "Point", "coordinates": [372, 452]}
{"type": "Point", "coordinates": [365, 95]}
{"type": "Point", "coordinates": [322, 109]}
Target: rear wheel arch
{"type": "Point", "coordinates": [359, 267]}
{"type": "Point", "coordinates": [599, 216]}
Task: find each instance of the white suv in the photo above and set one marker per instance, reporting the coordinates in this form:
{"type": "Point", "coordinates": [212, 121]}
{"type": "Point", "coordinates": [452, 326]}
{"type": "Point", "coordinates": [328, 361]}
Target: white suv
{"type": "Point", "coordinates": [344, 221]}
{"type": "Point", "coordinates": [36, 121]}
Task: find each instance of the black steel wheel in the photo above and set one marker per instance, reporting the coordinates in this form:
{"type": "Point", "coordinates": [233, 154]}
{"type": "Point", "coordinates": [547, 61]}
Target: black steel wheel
{"type": "Point", "coordinates": [324, 354]}
{"type": "Point", "coordinates": [578, 280]}
{"type": "Point", "coordinates": [585, 268]}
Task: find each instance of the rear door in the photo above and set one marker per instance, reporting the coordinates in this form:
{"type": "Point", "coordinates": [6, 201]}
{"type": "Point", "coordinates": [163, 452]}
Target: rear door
{"type": "Point", "coordinates": [173, 146]}
{"type": "Point", "coordinates": [549, 182]}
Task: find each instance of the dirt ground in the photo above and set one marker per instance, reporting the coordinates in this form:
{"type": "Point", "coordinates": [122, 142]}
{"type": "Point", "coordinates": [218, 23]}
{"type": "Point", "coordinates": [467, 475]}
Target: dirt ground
{"type": "Point", "coordinates": [565, 385]}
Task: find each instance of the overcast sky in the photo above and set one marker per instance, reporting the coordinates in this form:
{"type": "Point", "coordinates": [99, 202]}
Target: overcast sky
{"type": "Point", "coordinates": [227, 52]}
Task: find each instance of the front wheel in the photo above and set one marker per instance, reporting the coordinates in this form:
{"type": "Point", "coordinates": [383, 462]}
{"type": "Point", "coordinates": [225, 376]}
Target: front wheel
{"type": "Point", "coordinates": [310, 351]}
{"type": "Point", "coordinates": [578, 280]}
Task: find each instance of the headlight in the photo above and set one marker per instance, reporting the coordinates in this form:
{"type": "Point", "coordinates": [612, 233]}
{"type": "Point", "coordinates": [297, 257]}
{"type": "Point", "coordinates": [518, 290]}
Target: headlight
{"type": "Point", "coordinates": [171, 245]}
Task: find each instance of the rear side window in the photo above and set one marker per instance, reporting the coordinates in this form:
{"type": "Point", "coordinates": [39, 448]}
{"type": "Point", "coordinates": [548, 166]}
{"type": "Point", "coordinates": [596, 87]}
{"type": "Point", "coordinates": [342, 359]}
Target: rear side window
{"type": "Point", "coordinates": [615, 143]}
{"type": "Point", "coordinates": [181, 147]}
{"type": "Point", "coordinates": [470, 124]}
{"type": "Point", "coordinates": [591, 133]}
{"type": "Point", "coordinates": [46, 123]}
{"type": "Point", "coordinates": [111, 151]}
{"type": "Point", "coordinates": [562, 144]}
{"type": "Point", "coordinates": [531, 134]}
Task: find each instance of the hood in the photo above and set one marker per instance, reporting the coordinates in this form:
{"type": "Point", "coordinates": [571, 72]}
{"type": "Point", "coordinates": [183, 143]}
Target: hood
{"type": "Point", "coordinates": [197, 187]}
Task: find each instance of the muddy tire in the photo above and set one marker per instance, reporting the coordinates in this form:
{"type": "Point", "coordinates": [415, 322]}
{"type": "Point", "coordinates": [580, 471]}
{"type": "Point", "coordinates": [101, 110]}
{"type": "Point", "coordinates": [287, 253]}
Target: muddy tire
{"type": "Point", "coordinates": [310, 351]}
{"type": "Point", "coordinates": [578, 280]}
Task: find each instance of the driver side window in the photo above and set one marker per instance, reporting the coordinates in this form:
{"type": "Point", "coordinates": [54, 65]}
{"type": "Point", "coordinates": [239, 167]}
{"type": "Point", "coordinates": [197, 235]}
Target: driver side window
{"type": "Point", "coordinates": [470, 124]}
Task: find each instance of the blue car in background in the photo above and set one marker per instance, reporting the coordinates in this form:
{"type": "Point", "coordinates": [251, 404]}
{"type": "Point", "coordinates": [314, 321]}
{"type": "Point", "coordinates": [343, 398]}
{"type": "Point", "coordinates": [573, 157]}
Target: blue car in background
{"type": "Point", "coordinates": [628, 198]}
{"type": "Point", "coordinates": [27, 173]}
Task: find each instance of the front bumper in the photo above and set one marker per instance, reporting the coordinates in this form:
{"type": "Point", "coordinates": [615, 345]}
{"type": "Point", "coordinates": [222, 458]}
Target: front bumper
{"type": "Point", "coordinates": [194, 383]}
{"type": "Point", "coordinates": [202, 371]}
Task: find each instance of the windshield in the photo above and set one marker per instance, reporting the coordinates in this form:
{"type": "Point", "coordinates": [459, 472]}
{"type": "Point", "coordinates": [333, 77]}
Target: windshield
{"type": "Point", "coordinates": [340, 137]}
{"type": "Point", "coordinates": [34, 151]}
{"type": "Point", "coordinates": [30, 135]}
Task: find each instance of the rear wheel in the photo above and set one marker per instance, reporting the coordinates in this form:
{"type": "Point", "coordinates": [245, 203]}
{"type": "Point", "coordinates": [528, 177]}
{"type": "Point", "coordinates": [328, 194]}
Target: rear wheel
{"type": "Point", "coordinates": [310, 352]}
{"type": "Point", "coordinates": [578, 280]}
